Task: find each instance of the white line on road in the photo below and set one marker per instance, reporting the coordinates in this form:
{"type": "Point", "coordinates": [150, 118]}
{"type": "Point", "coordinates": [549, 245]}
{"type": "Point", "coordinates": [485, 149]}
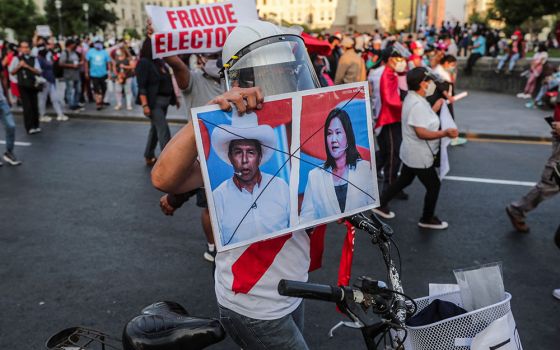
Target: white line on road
{"type": "Point", "coordinates": [490, 181]}
{"type": "Point", "coordinates": [17, 143]}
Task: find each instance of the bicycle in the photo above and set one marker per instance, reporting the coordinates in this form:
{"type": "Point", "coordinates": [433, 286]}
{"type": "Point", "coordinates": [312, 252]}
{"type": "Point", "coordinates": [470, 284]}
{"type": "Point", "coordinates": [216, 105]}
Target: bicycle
{"type": "Point", "coordinates": [391, 305]}
{"type": "Point", "coordinates": [168, 326]}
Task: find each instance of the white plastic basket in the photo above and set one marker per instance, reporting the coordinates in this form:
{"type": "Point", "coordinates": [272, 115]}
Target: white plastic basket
{"type": "Point", "coordinates": [456, 332]}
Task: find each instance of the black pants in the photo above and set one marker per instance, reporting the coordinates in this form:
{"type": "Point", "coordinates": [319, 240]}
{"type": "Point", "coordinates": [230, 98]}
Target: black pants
{"type": "Point", "coordinates": [159, 131]}
{"type": "Point", "coordinates": [30, 106]}
{"type": "Point", "coordinates": [429, 179]}
{"type": "Point", "coordinates": [471, 62]}
{"type": "Point", "coordinates": [389, 142]}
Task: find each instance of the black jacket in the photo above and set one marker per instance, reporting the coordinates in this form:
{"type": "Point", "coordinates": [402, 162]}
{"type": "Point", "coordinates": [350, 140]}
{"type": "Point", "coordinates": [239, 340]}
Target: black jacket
{"type": "Point", "coordinates": [149, 76]}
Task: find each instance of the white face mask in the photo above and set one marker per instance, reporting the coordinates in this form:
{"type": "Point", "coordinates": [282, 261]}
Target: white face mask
{"type": "Point", "coordinates": [431, 88]}
{"type": "Point", "coordinates": [211, 68]}
{"type": "Point", "coordinates": [400, 66]}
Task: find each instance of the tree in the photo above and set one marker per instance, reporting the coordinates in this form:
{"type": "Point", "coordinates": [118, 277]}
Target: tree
{"type": "Point", "coordinates": [515, 12]}
{"type": "Point", "coordinates": [73, 16]}
{"type": "Point", "coordinates": [19, 15]}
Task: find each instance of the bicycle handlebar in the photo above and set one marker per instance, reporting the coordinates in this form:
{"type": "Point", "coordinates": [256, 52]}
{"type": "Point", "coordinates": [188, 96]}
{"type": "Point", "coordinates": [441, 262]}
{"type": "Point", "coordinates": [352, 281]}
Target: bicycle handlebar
{"type": "Point", "coordinates": [311, 291]}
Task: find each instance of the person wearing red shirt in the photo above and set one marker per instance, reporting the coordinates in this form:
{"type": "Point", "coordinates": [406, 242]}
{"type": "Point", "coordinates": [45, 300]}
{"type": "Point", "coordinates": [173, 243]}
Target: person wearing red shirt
{"type": "Point", "coordinates": [390, 137]}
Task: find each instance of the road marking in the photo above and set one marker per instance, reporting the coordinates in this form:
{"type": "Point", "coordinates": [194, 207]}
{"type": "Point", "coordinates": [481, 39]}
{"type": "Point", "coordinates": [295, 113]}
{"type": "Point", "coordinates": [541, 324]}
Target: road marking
{"type": "Point", "coordinates": [490, 181]}
{"type": "Point", "coordinates": [17, 143]}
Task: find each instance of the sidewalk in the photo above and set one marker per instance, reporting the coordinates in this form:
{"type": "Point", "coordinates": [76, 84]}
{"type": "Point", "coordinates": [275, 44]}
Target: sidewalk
{"type": "Point", "coordinates": [480, 115]}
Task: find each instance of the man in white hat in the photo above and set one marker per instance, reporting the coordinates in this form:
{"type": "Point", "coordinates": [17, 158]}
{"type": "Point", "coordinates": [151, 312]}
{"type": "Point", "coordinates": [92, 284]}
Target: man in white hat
{"type": "Point", "coordinates": [251, 203]}
{"type": "Point", "coordinates": [253, 313]}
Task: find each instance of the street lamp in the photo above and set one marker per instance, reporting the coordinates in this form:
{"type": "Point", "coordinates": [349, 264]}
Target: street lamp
{"type": "Point", "coordinates": [85, 7]}
{"type": "Point", "coordinates": [57, 6]}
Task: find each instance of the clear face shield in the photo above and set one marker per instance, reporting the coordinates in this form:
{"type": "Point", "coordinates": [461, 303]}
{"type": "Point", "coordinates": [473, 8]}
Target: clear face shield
{"type": "Point", "coordinates": [277, 64]}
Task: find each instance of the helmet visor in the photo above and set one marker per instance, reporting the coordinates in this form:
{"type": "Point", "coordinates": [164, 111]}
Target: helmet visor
{"type": "Point", "coordinates": [277, 65]}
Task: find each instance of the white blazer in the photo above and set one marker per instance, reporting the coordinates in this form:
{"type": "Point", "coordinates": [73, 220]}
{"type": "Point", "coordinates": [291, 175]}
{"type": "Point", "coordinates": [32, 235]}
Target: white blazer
{"type": "Point", "coordinates": [319, 199]}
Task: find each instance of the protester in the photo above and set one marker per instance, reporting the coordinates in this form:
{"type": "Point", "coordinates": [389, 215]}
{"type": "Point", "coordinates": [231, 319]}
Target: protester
{"type": "Point", "coordinates": [334, 57]}
{"type": "Point", "coordinates": [49, 90]}
{"type": "Point", "coordinates": [537, 64]}
{"type": "Point", "coordinates": [71, 62]}
{"type": "Point", "coordinates": [421, 141]}
{"type": "Point", "coordinates": [516, 51]}
{"type": "Point", "coordinates": [389, 120]}
{"type": "Point", "coordinates": [9, 126]}
{"type": "Point", "coordinates": [27, 68]}
{"type": "Point", "coordinates": [123, 70]}
{"type": "Point", "coordinates": [351, 67]}
{"type": "Point", "coordinates": [98, 65]}
{"type": "Point", "coordinates": [155, 94]}
{"type": "Point", "coordinates": [478, 50]}
{"type": "Point", "coordinates": [251, 310]}
{"type": "Point", "coordinates": [546, 188]}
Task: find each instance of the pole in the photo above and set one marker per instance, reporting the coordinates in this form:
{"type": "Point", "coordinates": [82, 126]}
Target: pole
{"type": "Point", "coordinates": [411, 25]}
{"type": "Point", "coordinates": [59, 23]}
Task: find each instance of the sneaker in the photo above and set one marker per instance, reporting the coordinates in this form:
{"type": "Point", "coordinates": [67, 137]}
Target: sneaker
{"type": "Point", "coordinates": [458, 141]}
{"type": "Point", "coordinates": [37, 130]}
{"type": "Point", "coordinates": [433, 223]}
{"type": "Point", "coordinates": [384, 212]}
{"type": "Point", "coordinates": [34, 131]}
{"type": "Point", "coordinates": [518, 223]}
{"type": "Point", "coordinates": [129, 108]}
{"type": "Point", "coordinates": [118, 107]}
{"type": "Point", "coordinates": [45, 119]}
{"type": "Point", "coordinates": [62, 118]}
{"type": "Point", "coordinates": [209, 255]}
{"type": "Point", "coordinates": [529, 104]}
{"type": "Point", "coordinates": [520, 95]}
{"type": "Point", "coordinates": [11, 159]}
{"type": "Point", "coordinates": [151, 161]}
{"type": "Point", "coordinates": [556, 293]}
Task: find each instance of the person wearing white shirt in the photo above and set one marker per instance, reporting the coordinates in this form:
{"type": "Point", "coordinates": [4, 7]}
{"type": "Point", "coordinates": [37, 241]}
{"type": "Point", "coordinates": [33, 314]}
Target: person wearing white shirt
{"type": "Point", "coordinates": [251, 203]}
{"type": "Point", "coordinates": [420, 146]}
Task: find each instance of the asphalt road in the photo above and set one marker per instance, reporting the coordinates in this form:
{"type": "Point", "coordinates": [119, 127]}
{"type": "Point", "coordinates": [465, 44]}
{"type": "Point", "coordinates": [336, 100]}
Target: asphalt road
{"type": "Point", "coordinates": [83, 242]}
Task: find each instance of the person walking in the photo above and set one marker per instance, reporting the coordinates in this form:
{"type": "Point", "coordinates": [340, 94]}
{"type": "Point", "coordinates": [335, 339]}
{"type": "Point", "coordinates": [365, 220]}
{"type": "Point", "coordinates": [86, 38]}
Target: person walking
{"type": "Point", "coordinates": [546, 188]}
{"type": "Point", "coordinates": [421, 141]}
{"type": "Point", "coordinates": [71, 61]}
{"type": "Point", "coordinates": [98, 64]}
{"type": "Point", "coordinates": [27, 68]}
{"type": "Point", "coordinates": [124, 71]}
{"type": "Point", "coordinates": [49, 90]}
{"type": "Point", "coordinates": [155, 94]}
{"type": "Point", "coordinates": [8, 121]}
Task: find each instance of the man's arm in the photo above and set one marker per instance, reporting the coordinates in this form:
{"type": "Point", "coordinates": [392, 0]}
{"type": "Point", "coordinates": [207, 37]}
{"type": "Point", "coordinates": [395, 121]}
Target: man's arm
{"type": "Point", "coordinates": [177, 170]}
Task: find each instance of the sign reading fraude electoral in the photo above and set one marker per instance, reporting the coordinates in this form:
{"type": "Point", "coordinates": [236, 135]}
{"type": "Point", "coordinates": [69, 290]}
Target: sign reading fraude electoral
{"type": "Point", "coordinates": [196, 29]}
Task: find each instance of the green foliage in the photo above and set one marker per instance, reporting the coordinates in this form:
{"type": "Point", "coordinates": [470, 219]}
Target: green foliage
{"type": "Point", "coordinates": [19, 15]}
{"type": "Point", "coordinates": [515, 12]}
{"type": "Point", "coordinates": [132, 32]}
{"type": "Point", "coordinates": [74, 19]}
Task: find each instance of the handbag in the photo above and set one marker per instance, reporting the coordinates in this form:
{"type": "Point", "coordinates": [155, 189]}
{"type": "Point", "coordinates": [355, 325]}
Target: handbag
{"type": "Point", "coordinates": [437, 156]}
{"type": "Point", "coordinates": [40, 83]}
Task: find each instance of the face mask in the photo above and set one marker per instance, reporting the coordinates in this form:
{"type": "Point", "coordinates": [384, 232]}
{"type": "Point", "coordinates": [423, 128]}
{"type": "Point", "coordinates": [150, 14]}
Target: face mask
{"type": "Point", "coordinates": [431, 88]}
{"type": "Point", "coordinates": [400, 66]}
{"type": "Point", "coordinates": [211, 68]}
{"type": "Point", "coordinates": [451, 69]}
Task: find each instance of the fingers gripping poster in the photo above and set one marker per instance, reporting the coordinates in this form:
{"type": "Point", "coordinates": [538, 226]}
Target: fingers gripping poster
{"type": "Point", "coordinates": [304, 159]}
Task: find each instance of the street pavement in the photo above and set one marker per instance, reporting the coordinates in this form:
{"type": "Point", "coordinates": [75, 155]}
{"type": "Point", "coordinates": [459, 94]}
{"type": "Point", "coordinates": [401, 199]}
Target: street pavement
{"type": "Point", "coordinates": [481, 114]}
{"type": "Point", "coordinates": [83, 241]}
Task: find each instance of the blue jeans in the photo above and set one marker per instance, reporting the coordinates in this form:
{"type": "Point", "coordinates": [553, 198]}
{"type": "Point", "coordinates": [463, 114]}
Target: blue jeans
{"type": "Point", "coordinates": [9, 125]}
{"type": "Point", "coordinates": [512, 61]}
{"type": "Point", "coordinates": [251, 334]}
{"type": "Point", "coordinates": [73, 92]}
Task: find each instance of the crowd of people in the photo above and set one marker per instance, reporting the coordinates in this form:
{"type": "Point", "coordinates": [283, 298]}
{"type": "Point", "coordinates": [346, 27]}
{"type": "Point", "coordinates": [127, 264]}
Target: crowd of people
{"type": "Point", "coordinates": [411, 79]}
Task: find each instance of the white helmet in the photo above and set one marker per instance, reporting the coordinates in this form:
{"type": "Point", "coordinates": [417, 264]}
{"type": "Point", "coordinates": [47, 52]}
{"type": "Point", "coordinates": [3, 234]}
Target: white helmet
{"type": "Point", "coordinates": [258, 53]}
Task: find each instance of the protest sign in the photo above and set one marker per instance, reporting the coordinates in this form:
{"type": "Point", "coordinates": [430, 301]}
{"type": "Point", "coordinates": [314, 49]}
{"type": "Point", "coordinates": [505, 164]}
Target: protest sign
{"type": "Point", "coordinates": [198, 28]}
{"type": "Point", "coordinates": [304, 159]}
{"type": "Point", "coordinates": [43, 30]}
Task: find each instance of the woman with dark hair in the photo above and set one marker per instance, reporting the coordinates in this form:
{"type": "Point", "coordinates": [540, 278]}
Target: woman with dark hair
{"type": "Point", "coordinates": [155, 93]}
{"type": "Point", "coordinates": [345, 181]}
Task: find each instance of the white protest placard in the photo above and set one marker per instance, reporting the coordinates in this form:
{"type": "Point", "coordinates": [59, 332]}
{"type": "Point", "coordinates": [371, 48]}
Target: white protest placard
{"type": "Point", "coordinates": [43, 30]}
{"type": "Point", "coordinates": [304, 159]}
{"type": "Point", "coordinates": [197, 28]}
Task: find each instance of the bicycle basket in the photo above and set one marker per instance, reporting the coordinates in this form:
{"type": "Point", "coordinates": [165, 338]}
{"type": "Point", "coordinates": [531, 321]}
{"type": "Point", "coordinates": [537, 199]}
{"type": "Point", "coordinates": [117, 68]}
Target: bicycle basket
{"type": "Point", "coordinates": [456, 332]}
{"type": "Point", "coordinates": [80, 338]}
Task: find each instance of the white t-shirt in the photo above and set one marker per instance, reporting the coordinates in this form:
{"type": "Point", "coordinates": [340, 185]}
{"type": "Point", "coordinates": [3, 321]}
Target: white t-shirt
{"type": "Point", "coordinates": [417, 112]}
{"type": "Point", "coordinates": [292, 262]}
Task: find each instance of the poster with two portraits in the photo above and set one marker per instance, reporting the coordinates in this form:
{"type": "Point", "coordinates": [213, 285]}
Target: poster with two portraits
{"type": "Point", "coordinates": [304, 159]}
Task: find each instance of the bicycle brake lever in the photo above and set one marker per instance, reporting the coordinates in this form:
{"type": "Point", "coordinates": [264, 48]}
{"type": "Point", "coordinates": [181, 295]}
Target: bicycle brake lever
{"type": "Point", "coordinates": [349, 324]}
